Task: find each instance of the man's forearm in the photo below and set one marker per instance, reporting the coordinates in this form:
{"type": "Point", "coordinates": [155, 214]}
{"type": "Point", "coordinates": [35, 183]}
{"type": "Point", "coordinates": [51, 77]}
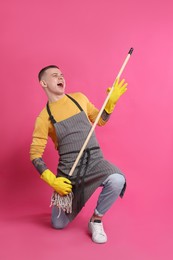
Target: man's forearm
{"type": "Point", "coordinates": [40, 165]}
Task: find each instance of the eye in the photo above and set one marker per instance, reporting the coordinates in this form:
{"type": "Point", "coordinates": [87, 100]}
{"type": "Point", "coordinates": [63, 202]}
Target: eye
{"type": "Point", "coordinates": [54, 75]}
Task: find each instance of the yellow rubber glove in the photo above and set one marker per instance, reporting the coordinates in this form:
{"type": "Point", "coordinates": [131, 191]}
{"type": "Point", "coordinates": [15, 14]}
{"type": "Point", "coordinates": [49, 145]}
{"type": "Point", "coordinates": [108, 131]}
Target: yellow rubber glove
{"type": "Point", "coordinates": [59, 184]}
{"type": "Point", "coordinates": [119, 88]}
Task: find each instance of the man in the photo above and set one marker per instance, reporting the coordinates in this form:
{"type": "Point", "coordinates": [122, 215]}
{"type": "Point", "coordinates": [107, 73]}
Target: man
{"type": "Point", "coordinates": [67, 119]}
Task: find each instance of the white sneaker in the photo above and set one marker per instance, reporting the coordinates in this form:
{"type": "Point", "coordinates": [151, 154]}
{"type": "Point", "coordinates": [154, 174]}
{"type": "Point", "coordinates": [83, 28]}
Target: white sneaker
{"type": "Point", "coordinates": [97, 231]}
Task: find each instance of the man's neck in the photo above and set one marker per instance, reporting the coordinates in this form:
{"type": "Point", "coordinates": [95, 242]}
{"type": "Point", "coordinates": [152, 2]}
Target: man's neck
{"type": "Point", "coordinates": [54, 98]}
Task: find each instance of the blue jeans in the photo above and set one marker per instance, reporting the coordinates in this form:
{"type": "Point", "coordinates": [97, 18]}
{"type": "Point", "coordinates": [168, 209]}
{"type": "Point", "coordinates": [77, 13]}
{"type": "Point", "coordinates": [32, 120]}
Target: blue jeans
{"type": "Point", "coordinates": [111, 190]}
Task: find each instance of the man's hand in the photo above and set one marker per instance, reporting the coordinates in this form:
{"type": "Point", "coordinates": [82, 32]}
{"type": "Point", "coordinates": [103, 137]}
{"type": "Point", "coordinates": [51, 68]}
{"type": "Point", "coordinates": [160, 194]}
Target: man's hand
{"type": "Point", "coordinates": [118, 90]}
{"type": "Point", "coordinates": [60, 184]}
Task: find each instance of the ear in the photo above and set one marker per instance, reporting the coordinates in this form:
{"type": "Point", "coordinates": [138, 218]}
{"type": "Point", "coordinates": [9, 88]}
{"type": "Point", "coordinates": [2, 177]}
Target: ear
{"type": "Point", "coordinates": [43, 83]}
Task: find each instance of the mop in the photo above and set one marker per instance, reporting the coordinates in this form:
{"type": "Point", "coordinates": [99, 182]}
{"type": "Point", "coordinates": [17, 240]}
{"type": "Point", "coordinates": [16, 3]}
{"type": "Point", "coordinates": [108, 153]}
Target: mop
{"type": "Point", "coordinates": [65, 202]}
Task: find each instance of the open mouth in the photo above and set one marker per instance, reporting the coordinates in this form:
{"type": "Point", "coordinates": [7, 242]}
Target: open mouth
{"type": "Point", "coordinates": [60, 85]}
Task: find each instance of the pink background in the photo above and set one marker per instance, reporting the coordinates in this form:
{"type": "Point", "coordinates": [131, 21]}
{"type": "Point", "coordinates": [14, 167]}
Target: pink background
{"type": "Point", "coordinates": [89, 41]}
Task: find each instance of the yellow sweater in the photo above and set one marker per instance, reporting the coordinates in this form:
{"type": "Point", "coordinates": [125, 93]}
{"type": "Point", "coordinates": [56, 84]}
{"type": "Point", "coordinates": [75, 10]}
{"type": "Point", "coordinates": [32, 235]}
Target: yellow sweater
{"type": "Point", "coordinates": [61, 110]}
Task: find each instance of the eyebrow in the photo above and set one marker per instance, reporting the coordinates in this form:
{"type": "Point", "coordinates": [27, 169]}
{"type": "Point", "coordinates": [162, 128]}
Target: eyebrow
{"type": "Point", "coordinates": [55, 73]}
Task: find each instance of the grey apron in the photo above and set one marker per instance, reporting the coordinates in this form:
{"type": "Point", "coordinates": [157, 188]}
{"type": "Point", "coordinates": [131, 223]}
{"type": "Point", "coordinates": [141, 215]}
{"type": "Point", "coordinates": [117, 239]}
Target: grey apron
{"type": "Point", "coordinates": [92, 169]}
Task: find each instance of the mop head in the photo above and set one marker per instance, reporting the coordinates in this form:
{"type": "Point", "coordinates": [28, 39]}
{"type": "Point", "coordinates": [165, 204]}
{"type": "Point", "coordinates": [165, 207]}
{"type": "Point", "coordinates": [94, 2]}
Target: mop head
{"type": "Point", "coordinates": [62, 202]}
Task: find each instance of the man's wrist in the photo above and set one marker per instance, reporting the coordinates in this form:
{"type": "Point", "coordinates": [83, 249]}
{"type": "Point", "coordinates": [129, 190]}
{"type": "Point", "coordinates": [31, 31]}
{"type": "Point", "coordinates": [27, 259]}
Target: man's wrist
{"type": "Point", "coordinates": [105, 116]}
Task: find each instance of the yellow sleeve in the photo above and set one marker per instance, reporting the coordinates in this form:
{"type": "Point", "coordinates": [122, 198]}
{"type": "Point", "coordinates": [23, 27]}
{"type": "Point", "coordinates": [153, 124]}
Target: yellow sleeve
{"type": "Point", "coordinates": [92, 113]}
{"type": "Point", "coordinates": [39, 139]}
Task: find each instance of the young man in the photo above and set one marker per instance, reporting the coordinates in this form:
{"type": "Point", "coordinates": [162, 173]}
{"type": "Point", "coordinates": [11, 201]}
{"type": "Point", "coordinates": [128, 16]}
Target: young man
{"type": "Point", "coordinates": [67, 119]}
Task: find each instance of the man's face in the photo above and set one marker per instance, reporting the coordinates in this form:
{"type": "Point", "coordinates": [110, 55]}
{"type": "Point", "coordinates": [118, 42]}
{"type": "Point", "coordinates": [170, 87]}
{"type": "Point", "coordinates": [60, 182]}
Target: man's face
{"type": "Point", "coordinates": [54, 81]}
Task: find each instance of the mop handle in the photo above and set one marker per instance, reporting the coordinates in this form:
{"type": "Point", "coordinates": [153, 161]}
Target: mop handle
{"type": "Point", "coordinates": [99, 115]}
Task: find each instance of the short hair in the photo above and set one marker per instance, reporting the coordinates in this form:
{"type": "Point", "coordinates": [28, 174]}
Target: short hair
{"type": "Point", "coordinates": [42, 71]}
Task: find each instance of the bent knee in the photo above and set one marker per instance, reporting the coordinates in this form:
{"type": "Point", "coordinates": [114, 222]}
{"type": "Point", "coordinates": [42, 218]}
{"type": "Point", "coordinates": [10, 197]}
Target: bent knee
{"type": "Point", "coordinates": [117, 180]}
{"type": "Point", "coordinates": [59, 219]}
{"type": "Point", "coordinates": [59, 224]}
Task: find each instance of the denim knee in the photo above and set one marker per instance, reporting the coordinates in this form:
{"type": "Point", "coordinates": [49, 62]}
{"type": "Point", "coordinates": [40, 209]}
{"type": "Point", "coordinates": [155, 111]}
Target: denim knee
{"type": "Point", "coordinates": [59, 219]}
{"type": "Point", "coordinates": [115, 181]}
{"type": "Point", "coordinates": [58, 224]}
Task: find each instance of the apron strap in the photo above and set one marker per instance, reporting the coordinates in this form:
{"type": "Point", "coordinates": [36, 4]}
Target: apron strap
{"type": "Point", "coordinates": [50, 115]}
{"type": "Point", "coordinates": [77, 104]}
{"type": "Point", "coordinates": [80, 179]}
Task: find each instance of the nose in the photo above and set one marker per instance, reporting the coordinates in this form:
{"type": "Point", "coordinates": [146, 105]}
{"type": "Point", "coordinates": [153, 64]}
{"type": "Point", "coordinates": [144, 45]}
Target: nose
{"type": "Point", "coordinates": [60, 77]}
